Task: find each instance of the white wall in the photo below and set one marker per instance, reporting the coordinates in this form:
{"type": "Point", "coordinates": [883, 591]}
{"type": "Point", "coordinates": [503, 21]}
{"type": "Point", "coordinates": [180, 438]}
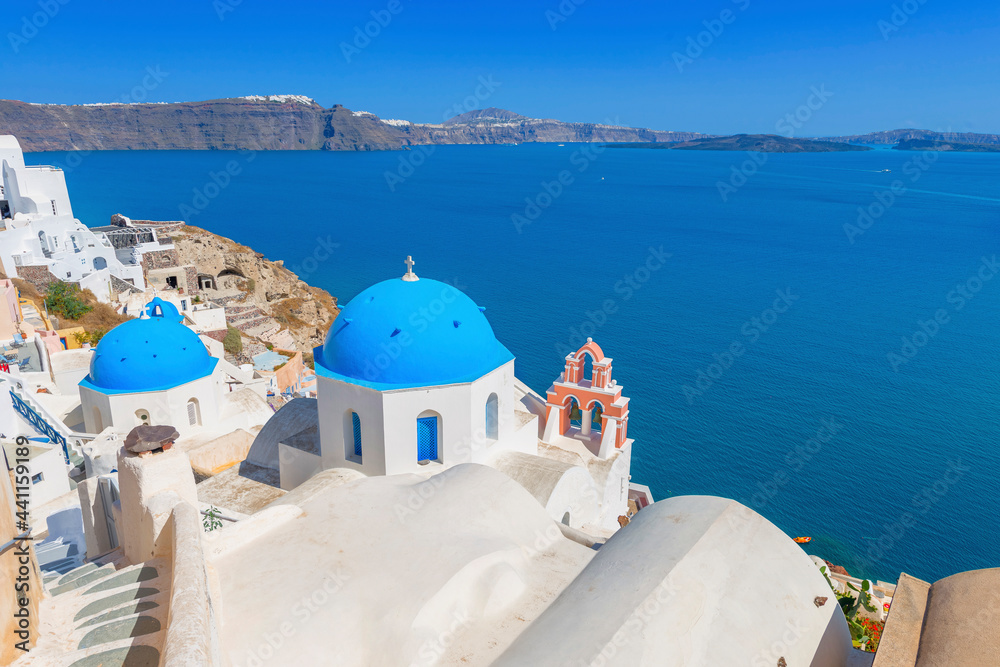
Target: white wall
{"type": "Point", "coordinates": [402, 408]}
{"type": "Point", "coordinates": [99, 283]}
{"type": "Point", "coordinates": [296, 466]}
{"type": "Point", "coordinates": [69, 367]}
{"type": "Point", "coordinates": [10, 421]}
{"type": "Point", "coordinates": [55, 481]}
{"type": "Point", "coordinates": [615, 497]}
{"type": "Point", "coordinates": [164, 407]}
{"type": "Point", "coordinates": [206, 319]}
{"type": "Point", "coordinates": [389, 424]}
{"type": "Point", "coordinates": [575, 494]}
{"type": "Point", "coordinates": [41, 185]}
{"type": "Point", "coordinates": [336, 400]}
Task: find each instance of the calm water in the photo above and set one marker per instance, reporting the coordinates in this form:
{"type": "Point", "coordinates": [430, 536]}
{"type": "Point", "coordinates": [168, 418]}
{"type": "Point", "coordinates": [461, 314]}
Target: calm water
{"type": "Point", "coordinates": [906, 480]}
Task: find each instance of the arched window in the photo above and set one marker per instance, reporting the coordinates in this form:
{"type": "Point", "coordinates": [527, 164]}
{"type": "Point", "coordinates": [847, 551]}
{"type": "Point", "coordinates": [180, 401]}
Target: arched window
{"type": "Point", "coordinates": [356, 428]}
{"type": "Point", "coordinates": [428, 437]}
{"type": "Point", "coordinates": [142, 417]}
{"type": "Point", "coordinates": [194, 412]}
{"type": "Point", "coordinates": [587, 370]}
{"type": "Point", "coordinates": [492, 417]}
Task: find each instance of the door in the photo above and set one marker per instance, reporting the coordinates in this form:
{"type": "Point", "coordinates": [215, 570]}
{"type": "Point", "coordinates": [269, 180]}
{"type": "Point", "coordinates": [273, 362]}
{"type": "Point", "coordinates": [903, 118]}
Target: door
{"type": "Point", "coordinates": [427, 438]}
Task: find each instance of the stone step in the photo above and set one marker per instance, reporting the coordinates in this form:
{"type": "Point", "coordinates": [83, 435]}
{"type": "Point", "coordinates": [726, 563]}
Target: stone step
{"type": "Point", "coordinates": [107, 603]}
{"type": "Point", "coordinates": [124, 628]}
{"type": "Point", "coordinates": [73, 574]}
{"type": "Point", "coordinates": [130, 656]}
{"type": "Point", "coordinates": [83, 580]}
{"type": "Point", "coordinates": [130, 610]}
{"type": "Point", "coordinates": [128, 576]}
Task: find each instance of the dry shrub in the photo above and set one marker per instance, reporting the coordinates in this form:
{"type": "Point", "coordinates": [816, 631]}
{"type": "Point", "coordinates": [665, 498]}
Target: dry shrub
{"type": "Point", "coordinates": [102, 317]}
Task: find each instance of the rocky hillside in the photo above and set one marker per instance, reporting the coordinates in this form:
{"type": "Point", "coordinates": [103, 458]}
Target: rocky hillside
{"type": "Point", "coordinates": [953, 146]}
{"type": "Point", "coordinates": [498, 126]}
{"type": "Point", "coordinates": [893, 137]}
{"type": "Point", "coordinates": [306, 311]}
{"type": "Point", "coordinates": [234, 124]}
{"type": "Point", "coordinates": [760, 143]}
{"type": "Point", "coordinates": [279, 123]}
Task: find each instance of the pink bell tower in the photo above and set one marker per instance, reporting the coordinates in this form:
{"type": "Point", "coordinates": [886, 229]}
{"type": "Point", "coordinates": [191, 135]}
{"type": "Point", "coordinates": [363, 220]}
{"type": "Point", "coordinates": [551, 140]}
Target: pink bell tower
{"type": "Point", "coordinates": [603, 411]}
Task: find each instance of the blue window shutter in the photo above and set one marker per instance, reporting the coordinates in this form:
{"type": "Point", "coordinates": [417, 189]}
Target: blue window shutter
{"type": "Point", "coordinates": [427, 439]}
{"type": "Point", "coordinates": [357, 433]}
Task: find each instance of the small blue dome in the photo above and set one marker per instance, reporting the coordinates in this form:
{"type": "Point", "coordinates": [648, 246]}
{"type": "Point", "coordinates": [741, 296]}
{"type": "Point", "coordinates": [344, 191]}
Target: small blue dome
{"type": "Point", "coordinates": [148, 355]}
{"type": "Point", "coordinates": [410, 334]}
{"type": "Point", "coordinates": [160, 308]}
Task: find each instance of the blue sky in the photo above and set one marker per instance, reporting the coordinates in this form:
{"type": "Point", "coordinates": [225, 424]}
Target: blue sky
{"type": "Point", "coordinates": [886, 64]}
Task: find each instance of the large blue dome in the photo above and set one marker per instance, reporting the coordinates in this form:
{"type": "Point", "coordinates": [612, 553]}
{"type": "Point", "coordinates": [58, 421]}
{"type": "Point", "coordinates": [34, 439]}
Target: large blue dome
{"type": "Point", "coordinates": [148, 355]}
{"type": "Point", "coordinates": [418, 333]}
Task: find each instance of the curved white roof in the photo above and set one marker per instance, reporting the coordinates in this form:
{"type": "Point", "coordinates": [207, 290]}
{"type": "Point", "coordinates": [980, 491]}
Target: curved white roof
{"type": "Point", "coordinates": [694, 581]}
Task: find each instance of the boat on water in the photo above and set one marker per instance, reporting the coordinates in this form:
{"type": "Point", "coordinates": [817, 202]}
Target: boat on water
{"type": "Point", "coordinates": [802, 540]}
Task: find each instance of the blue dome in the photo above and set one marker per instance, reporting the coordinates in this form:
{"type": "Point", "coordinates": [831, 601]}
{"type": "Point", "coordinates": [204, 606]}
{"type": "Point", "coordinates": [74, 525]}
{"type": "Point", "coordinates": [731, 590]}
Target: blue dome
{"type": "Point", "coordinates": [410, 334]}
{"type": "Point", "coordinates": [160, 308]}
{"type": "Point", "coordinates": [148, 355]}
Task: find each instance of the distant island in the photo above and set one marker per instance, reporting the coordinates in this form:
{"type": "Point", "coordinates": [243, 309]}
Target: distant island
{"type": "Point", "coordinates": [760, 143]}
{"type": "Point", "coordinates": [284, 122]}
{"type": "Point", "coordinates": [893, 137]}
{"type": "Point", "coordinates": [297, 122]}
{"type": "Point", "coordinates": [953, 146]}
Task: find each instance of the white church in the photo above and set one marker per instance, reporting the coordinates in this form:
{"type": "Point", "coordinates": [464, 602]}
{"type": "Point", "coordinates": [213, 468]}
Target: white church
{"type": "Point", "coordinates": [154, 370]}
{"type": "Point", "coordinates": [411, 379]}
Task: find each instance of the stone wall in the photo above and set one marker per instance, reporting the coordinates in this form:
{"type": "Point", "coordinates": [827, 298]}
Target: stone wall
{"type": "Point", "coordinates": [38, 275]}
{"type": "Point", "coordinates": [119, 286]}
{"type": "Point", "coordinates": [216, 335]}
{"type": "Point", "coordinates": [192, 278]}
{"type": "Point", "coordinates": [160, 259]}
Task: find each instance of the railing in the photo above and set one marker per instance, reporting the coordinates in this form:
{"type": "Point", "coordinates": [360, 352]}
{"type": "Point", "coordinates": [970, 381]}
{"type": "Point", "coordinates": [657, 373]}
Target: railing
{"type": "Point", "coordinates": [40, 419]}
{"type": "Point", "coordinates": [39, 423]}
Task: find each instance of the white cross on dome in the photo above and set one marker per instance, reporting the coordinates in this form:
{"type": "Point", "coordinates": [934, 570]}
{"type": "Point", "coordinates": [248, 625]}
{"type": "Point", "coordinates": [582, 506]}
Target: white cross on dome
{"type": "Point", "coordinates": [409, 276]}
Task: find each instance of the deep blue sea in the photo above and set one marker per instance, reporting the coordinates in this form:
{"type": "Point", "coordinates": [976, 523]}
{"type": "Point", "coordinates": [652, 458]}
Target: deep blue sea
{"type": "Point", "coordinates": [890, 464]}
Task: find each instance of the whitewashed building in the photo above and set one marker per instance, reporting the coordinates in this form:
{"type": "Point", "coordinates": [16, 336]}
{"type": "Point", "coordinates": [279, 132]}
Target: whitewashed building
{"type": "Point", "coordinates": [40, 236]}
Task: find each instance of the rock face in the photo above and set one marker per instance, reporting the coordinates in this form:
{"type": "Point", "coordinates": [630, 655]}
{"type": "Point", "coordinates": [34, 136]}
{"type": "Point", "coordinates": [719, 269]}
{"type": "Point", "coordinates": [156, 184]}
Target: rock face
{"type": "Point", "coordinates": [280, 123]}
{"type": "Point", "coordinates": [897, 136]}
{"type": "Point", "coordinates": [953, 146]}
{"type": "Point", "coordinates": [306, 311]}
{"type": "Point", "coordinates": [232, 124]}
{"type": "Point", "coordinates": [764, 143]}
